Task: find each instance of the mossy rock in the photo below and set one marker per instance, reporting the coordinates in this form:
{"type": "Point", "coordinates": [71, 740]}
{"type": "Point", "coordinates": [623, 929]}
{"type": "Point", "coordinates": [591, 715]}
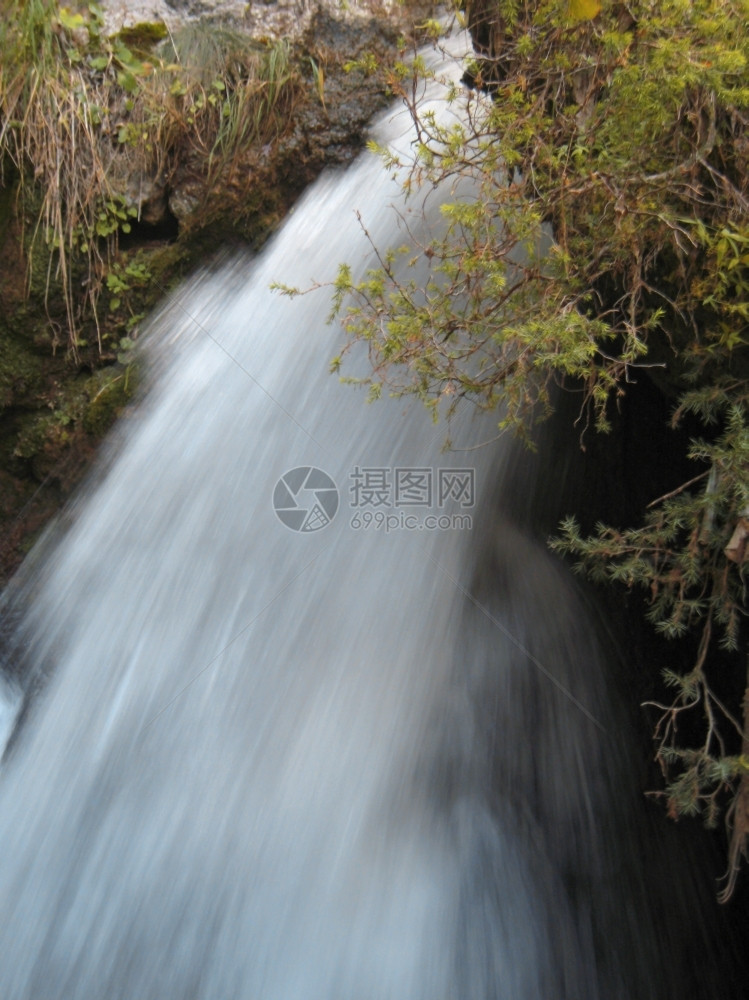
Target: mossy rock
{"type": "Point", "coordinates": [109, 391]}
{"type": "Point", "coordinates": [20, 371]}
{"type": "Point", "coordinates": [46, 433]}
{"type": "Point", "coordinates": [143, 36]}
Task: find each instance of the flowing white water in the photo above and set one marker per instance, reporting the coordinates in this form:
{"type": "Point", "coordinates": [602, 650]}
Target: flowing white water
{"type": "Point", "coordinates": [10, 706]}
{"type": "Point", "coordinates": [278, 765]}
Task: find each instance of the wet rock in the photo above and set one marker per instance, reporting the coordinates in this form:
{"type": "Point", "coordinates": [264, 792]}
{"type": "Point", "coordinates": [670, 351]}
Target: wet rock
{"type": "Point", "coordinates": [148, 195]}
{"type": "Point", "coordinates": [186, 198]}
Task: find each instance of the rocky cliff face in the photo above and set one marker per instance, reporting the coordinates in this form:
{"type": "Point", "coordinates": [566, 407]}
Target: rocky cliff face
{"type": "Point", "coordinates": [269, 18]}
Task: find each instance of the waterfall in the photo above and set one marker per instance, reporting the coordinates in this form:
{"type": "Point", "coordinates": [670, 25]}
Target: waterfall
{"type": "Point", "coordinates": [358, 761]}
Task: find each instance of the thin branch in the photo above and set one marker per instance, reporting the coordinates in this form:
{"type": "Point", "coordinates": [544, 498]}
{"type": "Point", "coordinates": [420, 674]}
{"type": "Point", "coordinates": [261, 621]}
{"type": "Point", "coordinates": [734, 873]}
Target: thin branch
{"type": "Point", "coordinates": [678, 490]}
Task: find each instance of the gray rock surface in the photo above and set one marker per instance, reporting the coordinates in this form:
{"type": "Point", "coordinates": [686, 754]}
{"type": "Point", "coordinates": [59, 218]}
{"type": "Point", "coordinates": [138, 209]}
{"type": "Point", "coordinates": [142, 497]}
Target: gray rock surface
{"type": "Point", "coordinates": [270, 18]}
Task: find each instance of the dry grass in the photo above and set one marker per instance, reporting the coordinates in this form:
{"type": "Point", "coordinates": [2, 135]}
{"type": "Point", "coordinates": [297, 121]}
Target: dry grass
{"type": "Point", "coordinates": [82, 114]}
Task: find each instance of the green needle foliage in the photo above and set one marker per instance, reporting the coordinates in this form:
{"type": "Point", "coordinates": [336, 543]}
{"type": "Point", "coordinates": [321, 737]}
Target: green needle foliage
{"type": "Point", "coordinates": [599, 228]}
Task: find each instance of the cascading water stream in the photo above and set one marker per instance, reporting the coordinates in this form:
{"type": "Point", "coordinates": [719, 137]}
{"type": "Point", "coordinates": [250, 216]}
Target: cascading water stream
{"type": "Point", "coordinates": [340, 764]}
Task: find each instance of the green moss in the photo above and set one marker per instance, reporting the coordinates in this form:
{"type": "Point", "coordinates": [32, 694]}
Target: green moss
{"type": "Point", "coordinates": [20, 371]}
{"type": "Point", "coordinates": [144, 35]}
{"type": "Point", "coordinates": [48, 430]}
{"type": "Point", "coordinates": [109, 390]}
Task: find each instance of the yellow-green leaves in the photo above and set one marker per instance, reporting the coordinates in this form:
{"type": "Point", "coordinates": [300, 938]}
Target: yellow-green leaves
{"type": "Point", "coordinates": [70, 20]}
{"type": "Point", "coordinates": [583, 10]}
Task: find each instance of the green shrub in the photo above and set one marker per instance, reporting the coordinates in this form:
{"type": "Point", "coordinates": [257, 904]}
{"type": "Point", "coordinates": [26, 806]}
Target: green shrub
{"type": "Point", "coordinates": [608, 236]}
